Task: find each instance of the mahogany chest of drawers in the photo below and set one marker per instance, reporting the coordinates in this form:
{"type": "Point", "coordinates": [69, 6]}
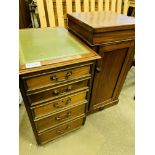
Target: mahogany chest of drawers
{"type": "Point", "coordinates": [56, 72]}
{"type": "Point", "coordinates": [111, 35]}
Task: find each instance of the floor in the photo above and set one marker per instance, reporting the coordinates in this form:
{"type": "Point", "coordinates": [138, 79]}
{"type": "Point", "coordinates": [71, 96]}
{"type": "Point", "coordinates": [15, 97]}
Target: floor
{"type": "Point", "coordinates": [108, 132]}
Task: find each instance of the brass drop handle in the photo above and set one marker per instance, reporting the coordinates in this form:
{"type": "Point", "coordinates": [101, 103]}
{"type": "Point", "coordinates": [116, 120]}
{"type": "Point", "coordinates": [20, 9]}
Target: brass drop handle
{"type": "Point", "coordinates": [98, 69]}
{"type": "Point", "coordinates": [99, 65]}
{"type": "Point", "coordinates": [57, 105]}
{"type": "Point", "coordinates": [56, 92]}
{"type": "Point", "coordinates": [69, 88]}
{"type": "Point", "coordinates": [68, 100]}
{"type": "Point", "coordinates": [59, 131]}
{"type": "Point", "coordinates": [54, 78]}
{"type": "Point", "coordinates": [62, 131]}
{"type": "Point", "coordinates": [58, 118]}
{"type": "Point", "coordinates": [68, 74]}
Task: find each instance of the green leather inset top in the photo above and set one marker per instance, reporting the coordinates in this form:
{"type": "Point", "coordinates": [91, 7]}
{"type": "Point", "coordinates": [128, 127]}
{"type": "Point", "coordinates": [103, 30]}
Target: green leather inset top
{"type": "Point", "coordinates": [47, 44]}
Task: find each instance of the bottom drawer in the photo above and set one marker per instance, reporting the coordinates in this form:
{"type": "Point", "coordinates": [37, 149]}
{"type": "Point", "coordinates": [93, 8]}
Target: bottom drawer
{"type": "Point", "coordinates": [61, 130]}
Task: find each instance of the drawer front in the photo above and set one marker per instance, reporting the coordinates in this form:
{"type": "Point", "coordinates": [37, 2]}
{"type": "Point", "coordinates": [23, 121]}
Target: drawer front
{"type": "Point", "coordinates": [57, 77]}
{"type": "Point", "coordinates": [58, 104]}
{"type": "Point", "coordinates": [61, 130]}
{"type": "Point", "coordinates": [55, 119]}
{"type": "Point", "coordinates": [54, 93]}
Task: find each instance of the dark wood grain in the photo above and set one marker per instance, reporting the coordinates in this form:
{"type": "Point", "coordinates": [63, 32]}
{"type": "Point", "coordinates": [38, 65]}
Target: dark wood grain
{"type": "Point", "coordinates": [111, 35]}
{"type": "Point", "coordinates": [57, 77]}
{"type": "Point", "coordinates": [44, 123]}
{"type": "Point", "coordinates": [56, 92]}
{"type": "Point", "coordinates": [111, 75]}
{"type": "Point", "coordinates": [61, 130]}
{"type": "Point", "coordinates": [97, 28]}
{"type": "Point", "coordinates": [54, 103]}
{"type": "Point", "coordinates": [54, 106]}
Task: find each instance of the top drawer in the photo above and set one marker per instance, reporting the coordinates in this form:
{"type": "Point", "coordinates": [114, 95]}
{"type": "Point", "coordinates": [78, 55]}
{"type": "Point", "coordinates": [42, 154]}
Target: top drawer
{"type": "Point", "coordinates": [55, 77]}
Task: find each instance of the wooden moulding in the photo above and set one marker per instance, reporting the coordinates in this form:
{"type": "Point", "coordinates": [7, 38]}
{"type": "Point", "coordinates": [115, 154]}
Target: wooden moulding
{"type": "Point", "coordinates": [102, 106]}
{"type": "Point", "coordinates": [97, 38]}
{"type": "Point", "coordinates": [101, 34]}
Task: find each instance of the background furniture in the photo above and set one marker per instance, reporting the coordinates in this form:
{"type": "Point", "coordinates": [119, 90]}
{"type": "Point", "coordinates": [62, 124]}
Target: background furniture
{"type": "Point", "coordinates": [24, 15]}
{"type": "Point", "coordinates": [111, 35]}
{"type": "Point", "coordinates": [53, 13]}
{"type": "Point", "coordinates": [131, 10]}
{"type": "Point", "coordinates": [56, 72]}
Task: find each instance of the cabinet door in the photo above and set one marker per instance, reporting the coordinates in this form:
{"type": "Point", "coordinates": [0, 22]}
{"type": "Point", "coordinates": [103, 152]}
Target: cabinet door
{"type": "Point", "coordinates": [110, 73]}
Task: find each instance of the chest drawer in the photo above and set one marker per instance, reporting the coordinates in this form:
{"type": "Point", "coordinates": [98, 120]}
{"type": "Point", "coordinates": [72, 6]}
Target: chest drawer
{"type": "Point", "coordinates": [61, 130]}
{"type": "Point", "coordinates": [56, 77]}
{"type": "Point", "coordinates": [66, 115]}
{"type": "Point", "coordinates": [59, 104]}
{"type": "Point", "coordinates": [54, 93]}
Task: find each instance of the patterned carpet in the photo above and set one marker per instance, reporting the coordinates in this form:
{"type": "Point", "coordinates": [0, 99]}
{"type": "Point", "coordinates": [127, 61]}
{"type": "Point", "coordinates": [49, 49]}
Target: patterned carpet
{"type": "Point", "coordinates": [108, 132]}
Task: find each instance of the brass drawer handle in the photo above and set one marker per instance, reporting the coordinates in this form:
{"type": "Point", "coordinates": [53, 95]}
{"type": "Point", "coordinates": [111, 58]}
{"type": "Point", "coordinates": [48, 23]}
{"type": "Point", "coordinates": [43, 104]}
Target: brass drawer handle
{"type": "Point", "coordinates": [59, 131]}
{"type": "Point", "coordinates": [69, 88]}
{"type": "Point", "coordinates": [68, 74]}
{"type": "Point", "coordinates": [99, 65]}
{"type": "Point", "coordinates": [56, 92]}
{"type": "Point", "coordinates": [57, 105]}
{"type": "Point", "coordinates": [98, 69]}
{"type": "Point", "coordinates": [58, 118]}
{"type": "Point", "coordinates": [54, 78]}
{"type": "Point", "coordinates": [62, 131]}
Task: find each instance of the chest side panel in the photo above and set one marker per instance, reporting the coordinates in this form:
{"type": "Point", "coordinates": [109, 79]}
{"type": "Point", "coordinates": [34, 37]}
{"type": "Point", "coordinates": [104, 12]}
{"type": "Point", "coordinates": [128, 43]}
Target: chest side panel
{"type": "Point", "coordinates": [110, 69]}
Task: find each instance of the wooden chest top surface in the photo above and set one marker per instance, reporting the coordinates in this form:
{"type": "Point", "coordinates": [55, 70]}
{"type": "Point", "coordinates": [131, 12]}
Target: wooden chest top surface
{"type": "Point", "coordinates": [104, 21]}
{"type": "Point", "coordinates": [50, 46]}
{"type": "Point", "coordinates": [96, 28]}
